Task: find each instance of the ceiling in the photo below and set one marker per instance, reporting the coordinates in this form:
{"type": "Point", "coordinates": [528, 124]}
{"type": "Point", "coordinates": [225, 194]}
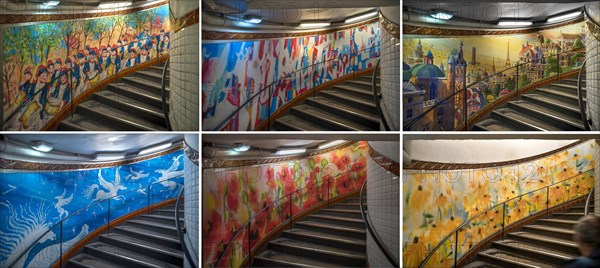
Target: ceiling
{"type": "Point", "coordinates": [36, 7]}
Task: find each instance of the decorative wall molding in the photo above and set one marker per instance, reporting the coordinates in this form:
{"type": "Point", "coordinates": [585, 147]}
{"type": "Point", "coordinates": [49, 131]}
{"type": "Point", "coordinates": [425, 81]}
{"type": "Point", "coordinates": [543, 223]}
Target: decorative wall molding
{"type": "Point", "coordinates": [8, 164]}
{"type": "Point", "coordinates": [428, 30]}
{"type": "Point", "coordinates": [427, 165]}
{"type": "Point", "coordinates": [191, 154]}
{"type": "Point", "coordinates": [189, 19]}
{"type": "Point", "coordinates": [213, 35]}
{"type": "Point", "coordinates": [18, 18]}
{"type": "Point", "coordinates": [386, 163]}
{"type": "Point", "coordinates": [390, 26]}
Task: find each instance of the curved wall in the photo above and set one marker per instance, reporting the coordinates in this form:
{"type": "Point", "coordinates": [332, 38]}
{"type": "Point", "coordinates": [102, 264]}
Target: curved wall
{"type": "Point", "coordinates": [192, 204]}
{"type": "Point", "coordinates": [33, 92]}
{"type": "Point", "coordinates": [232, 72]}
{"type": "Point", "coordinates": [436, 202]}
{"type": "Point", "coordinates": [32, 201]}
{"type": "Point", "coordinates": [593, 67]}
{"type": "Point", "coordinates": [390, 66]}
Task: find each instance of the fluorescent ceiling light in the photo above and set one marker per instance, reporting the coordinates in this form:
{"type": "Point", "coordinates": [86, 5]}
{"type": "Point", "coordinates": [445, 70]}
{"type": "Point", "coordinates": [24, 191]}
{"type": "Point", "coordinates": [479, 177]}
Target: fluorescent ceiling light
{"type": "Point", "coordinates": [442, 15]}
{"type": "Point", "coordinates": [364, 16]}
{"type": "Point", "coordinates": [42, 146]}
{"type": "Point", "coordinates": [314, 24]}
{"type": "Point", "coordinates": [515, 23]}
{"type": "Point", "coordinates": [290, 151]}
{"type": "Point", "coordinates": [108, 156]}
{"type": "Point", "coordinates": [564, 17]}
{"type": "Point", "coordinates": [331, 144]}
{"type": "Point", "coordinates": [252, 19]}
{"type": "Point", "coordinates": [239, 147]}
{"type": "Point", "coordinates": [114, 5]}
{"type": "Point", "coordinates": [255, 21]}
{"type": "Point", "coordinates": [116, 138]}
{"type": "Point", "coordinates": [51, 3]}
{"type": "Point", "coordinates": [155, 148]}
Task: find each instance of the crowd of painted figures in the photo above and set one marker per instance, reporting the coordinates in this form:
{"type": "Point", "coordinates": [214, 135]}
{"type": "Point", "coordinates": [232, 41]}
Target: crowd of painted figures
{"type": "Point", "coordinates": [56, 80]}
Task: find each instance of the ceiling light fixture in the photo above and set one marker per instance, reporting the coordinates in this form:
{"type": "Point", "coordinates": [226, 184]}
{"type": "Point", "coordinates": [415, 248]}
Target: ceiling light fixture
{"type": "Point", "coordinates": [564, 17]}
{"type": "Point", "coordinates": [290, 151]}
{"type": "Point", "coordinates": [109, 156]}
{"type": "Point", "coordinates": [51, 3]}
{"type": "Point", "coordinates": [42, 146]}
{"type": "Point", "coordinates": [441, 15]}
{"type": "Point", "coordinates": [240, 147]}
{"type": "Point", "coordinates": [314, 24]}
{"type": "Point", "coordinates": [364, 16]}
{"type": "Point", "coordinates": [331, 144]}
{"type": "Point", "coordinates": [515, 23]}
{"type": "Point", "coordinates": [116, 138]}
{"type": "Point", "coordinates": [252, 19]}
{"type": "Point", "coordinates": [155, 148]}
{"type": "Point", "coordinates": [111, 5]}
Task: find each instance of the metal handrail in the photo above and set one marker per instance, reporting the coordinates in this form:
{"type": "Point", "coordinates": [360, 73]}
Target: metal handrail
{"type": "Point", "coordinates": [591, 19]}
{"type": "Point", "coordinates": [181, 231]}
{"type": "Point", "coordinates": [377, 96]}
{"type": "Point", "coordinates": [582, 104]}
{"type": "Point", "coordinates": [587, 202]}
{"type": "Point", "coordinates": [503, 204]}
{"type": "Point", "coordinates": [279, 80]}
{"type": "Point", "coordinates": [163, 95]}
{"type": "Point", "coordinates": [367, 219]}
{"type": "Point", "coordinates": [59, 223]}
{"type": "Point", "coordinates": [248, 223]}
{"type": "Point", "coordinates": [443, 101]}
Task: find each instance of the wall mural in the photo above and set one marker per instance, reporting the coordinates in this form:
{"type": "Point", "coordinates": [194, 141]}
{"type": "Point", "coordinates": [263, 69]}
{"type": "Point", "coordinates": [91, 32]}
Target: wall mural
{"type": "Point", "coordinates": [232, 72]}
{"type": "Point", "coordinates": [47, 62]}
{"type": "Point", "coordinates": [428, 63]}
{"type": "Point", "coordinates": [31, 202]}
{"type": "Point", "coordinates": [435, 203]}
{"type": "Point", "coordinates": [232, 197]}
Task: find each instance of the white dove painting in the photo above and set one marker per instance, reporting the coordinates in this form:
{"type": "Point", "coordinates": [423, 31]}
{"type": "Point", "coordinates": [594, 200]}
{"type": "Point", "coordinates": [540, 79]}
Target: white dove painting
{"type": "Point", "coordinates": [136, 175]}
{"type": "Point", "coordinates": [61, 201]}
{"type": "Point", "coordinates": [172, 172]}
{"type": "Point", "coordinates": [112, 188]}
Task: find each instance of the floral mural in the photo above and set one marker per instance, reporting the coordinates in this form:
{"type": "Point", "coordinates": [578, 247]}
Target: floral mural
{"type": "Point", "coordinates": [233, 72]}
{"type": "Point", "coordinates": [32, 202]}
{"type": "Point", "coordinates": [49, 64]}
{"type": "Point", "coordinates": [268, 194]}
{"type": "Point", "coordinates": [437, 202]}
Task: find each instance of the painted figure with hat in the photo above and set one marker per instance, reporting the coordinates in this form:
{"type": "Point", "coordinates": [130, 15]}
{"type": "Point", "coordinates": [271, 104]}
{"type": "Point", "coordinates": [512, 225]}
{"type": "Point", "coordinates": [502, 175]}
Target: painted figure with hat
{"type": "Point", "coordinates": [113, 63]}
{"type": "Point", "coordinates": [134, 59]}
{"type": "Point", "coordinates": [121, 47]}
{"type": "Point", "coordinates": [36, 104]}
{"type": "Point", "coordinates": [57, 67]}
{"type": "Point", "coordinates": [26, 88]}
{"type": "Point", "coordinates": [77, 73]}
{"type": "Point", "coordinates": [144, 55]}
{"type": "Point", "coordinates": [103, 62]}
{"type": "Point", "coordinates": [144, 37]}
{"type": "Point", "coordinates": [153, 49]}
{"type": "Point", "coordinates": [165, 43]}
{"type": "Point", "coordinates": [92, 68]}
{"type": "Point", "coordinates": [61, 94]}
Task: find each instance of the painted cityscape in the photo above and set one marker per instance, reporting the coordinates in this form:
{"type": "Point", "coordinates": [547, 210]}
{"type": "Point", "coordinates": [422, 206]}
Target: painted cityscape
{"type": "Point", "coordinates": [432, 70]}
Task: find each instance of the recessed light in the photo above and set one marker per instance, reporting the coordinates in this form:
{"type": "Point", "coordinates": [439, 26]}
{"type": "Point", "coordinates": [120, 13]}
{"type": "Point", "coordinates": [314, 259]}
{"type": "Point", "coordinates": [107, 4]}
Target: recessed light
{"type": "Point", "coordinates": [364, 16]}
{"type": "Point", "coordinates": [42, 146]}
{"type": "Point", "coordinates": [314, 24]}
{"type": "Point", "coordinates": [51, 3]}
{"type": "Point", "coordinates": [514, 23]}
{"type": "Point", "coordinates": [252, 19]}
{"type": "Point", "coordinates": [564, 17]}
{"type": "Point", "coordinates": [331, 144]}
{"type": "Point", "coordinates": [290, 151]}
{"type": "Point", "coordinates": [111, 5]}
{"type": "Point", "coordinates": [440, 15]}
{"type": "Point", "coordinates": [109, 156]}
{"type": "Point", "coordinates": [155, 148]}
{"type": "Point", "coordinates": [240, 147]}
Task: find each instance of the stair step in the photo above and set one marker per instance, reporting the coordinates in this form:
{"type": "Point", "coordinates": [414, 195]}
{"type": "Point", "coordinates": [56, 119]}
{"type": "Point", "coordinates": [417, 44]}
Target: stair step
{"type": "Point", "coordinates": [158, 69]}
{"type": "Point", "coordinates": [577, 209]}
{"type": "Point", "coordinates": [559, 95]}
{"type": "Point", "coordinates": [291, 122]}
{"type": "Point", "coordinates": [124, 121]}
{"type": "Point", "coordinates": [271, 258]}
{"type": "Point", "coordinates": [524, 121]}
{"type": "Point", "coordinates": [131, 105]}
{"type": "Point", "coordinates": [353, 206]}
{"type": "Point", "coordinates": [547, 115]}
{"type": "Point", "coordinates": [344, 221]}
{"type": "Point", "coordinates": [169, 220]}
{"type": "Point", "coordinates": [367, 105]}
{"type": "Point", "coordinates": [492, 124]}
{"type": "Point", "coordinates": [167, 212]}
{"type": "Point", "coordinates": [346, 257]}
{"type": "Point", "coordinates": [568, 224]}
{"type": "Point", "coordinates": [152, 76]}
{"type": "Point", "coordinates": [563, 245]}
{"type": "Point", "coordinates": [509, 259]}
{"type": "Point", "coordinates": [149, 235]}
{"type": "Point", "coordinates": [368, 78]}
{"type": "Point", "coordinates": [170, 255]}
{"type": "Point", "coordinates": [568, 109]}
{"type": "Point", "coordinates": [480, 264]}
{"type": "Point", "coordinates": [125, 257]}
{"type": "Point", "coordinates": [336, 229]}
{"type": "Point", "coordinates": [144, 84]}
{"type": "Point", "coordinates": [328, 239]}
{"type": "Point", "coordinates": [358, 91]}
{"type": "Point", "coordinates": [550, 231]}
{"type": "Point", "coordinates": [568, 215]}
{"type": "Point", "coordinates": [571, 81]}
{"type": "Point", "coordinates": [548, 255]}
{"type": "Point", "coordinates": [567, 88]}
{"type": "Point", "coordinates": [133, 92]}
{"type": "Point", "coordinates": [342, 212]}
{"type": "Point", "coordinates": [364, 84]}
{"type": "Point", "coordinates": [327, 120]}
{"type": "Point", "coordinates": [88, 261]}
{"type": "Point", "coordinates": [78, 122]}
{"type": "Point", "coordinates": [350, 112]}
{"type": "Point", "coordinates": [153, 226]}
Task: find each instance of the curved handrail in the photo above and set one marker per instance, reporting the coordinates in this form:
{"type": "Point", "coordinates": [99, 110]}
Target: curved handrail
{"type": "Point", "coordinates": [587, 202]}
{"type": "Point", "coordinates": [181, 231]}
{"type": "Point", "coordinates": [377, 96]}
{"type": "Point", "coordinates": [289, 195]}
{"type": "Point", "coordinates": [582, 109]}
{"type": "Point", "coordinates": [434, 250]}
{"type": "Point", "coordinates": [374, 235]}
{"type": "Point", "coordinates": [591, 19]}
{"type": "Point", "coordinates": [77, 213]}
{"type": "Point", "coordinates": [241, 106]}
{"type": "Point", "coordinates": [163, 95]}
{"type": "Point", "coordinates": [443, 101]}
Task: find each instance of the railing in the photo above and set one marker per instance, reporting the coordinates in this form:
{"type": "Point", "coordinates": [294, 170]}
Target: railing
{"type": "Point", "coordinates": [283, 210]}
{"type": "Point", "coordinates": [588, 202]}
{"type": "Point", "coordinates": [367, 219]}
{"type": "Point", "coordinates": [29, 113]}
{"type": "Point", "coordinates": [520, 203]}
{"type": "Point", "coordinates": [163, 95]}
{"type": "Point", "coordinates": [344, 63]}
{"type": "Point", "coordinates": [181, 230]}
{"type": "Point", "coordinates": [452, 112]}
{"type": "Point", "coordinates": [582, 104]}
{"type": "Point", "coordinates": [377, 97]}
{"type": "Point", "coordinates": [593, 25]}
{"type": "Point", "coordinates": [119, 198]}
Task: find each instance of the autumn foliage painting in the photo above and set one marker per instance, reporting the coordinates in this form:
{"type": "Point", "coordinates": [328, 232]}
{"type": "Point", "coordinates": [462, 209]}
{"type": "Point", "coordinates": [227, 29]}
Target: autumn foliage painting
{"type": "Point", "coordinates": [46, 65]}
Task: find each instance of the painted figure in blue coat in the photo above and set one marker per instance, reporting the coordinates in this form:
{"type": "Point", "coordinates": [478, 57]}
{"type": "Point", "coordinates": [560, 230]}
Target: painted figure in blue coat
{"type": "Point", "coordinates": [63, 88]}
{"type": "Point", "coordinates": [92, 68]}
{"type": "Point", "coordinates": [40, 88]}
{"type": "Point", "coordinates": [26, 88]}
{"type": "Point", "coordinates": [114, 62]}
{"type": "Point", "coordinates": [144, 37]}
{"type": "Point", "coordinates": [133, 58]}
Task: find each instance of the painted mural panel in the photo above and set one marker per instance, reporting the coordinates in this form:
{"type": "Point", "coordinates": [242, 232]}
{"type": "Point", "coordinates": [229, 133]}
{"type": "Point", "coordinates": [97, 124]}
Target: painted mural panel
{"type": "Point", "coordinates": [430, 69]}
{"type": "Point", "coordinates": [32, 202]}
{"type": "Point", "coordinates": [435, 203]}
{"type": "Point", "coordinates": [233, 72]}
{"type": "Point", "coordinates": [268, 193]}
{"type": "Point", "coordinates": [48, 64]}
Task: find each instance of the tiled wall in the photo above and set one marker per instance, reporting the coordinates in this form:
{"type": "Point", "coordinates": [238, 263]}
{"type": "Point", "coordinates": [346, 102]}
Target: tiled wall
{"type": "Point", "coordinates": [390, 78]}
{"type": "Point", "coordinates": [192, 211]}
{"type": "Point", "coordinates": [383, 199]}
{"type": "Point", "coordinates": [184, 83]}
{"type": "Point", "coordinates": [593, 74]}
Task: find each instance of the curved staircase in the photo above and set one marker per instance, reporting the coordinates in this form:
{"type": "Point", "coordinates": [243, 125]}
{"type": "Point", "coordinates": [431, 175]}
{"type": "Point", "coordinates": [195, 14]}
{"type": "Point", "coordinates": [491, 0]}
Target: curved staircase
{"type": "Point", "coordinates": [133, 103]}
{"type": "Point", "coordinates": [553, 107]}
{"type": "Point", "coordinates": [348, 106]}
{"type": "Point", "coordinates": [149, 240]}
{"type": "Point", "coordinates": [335, 237]}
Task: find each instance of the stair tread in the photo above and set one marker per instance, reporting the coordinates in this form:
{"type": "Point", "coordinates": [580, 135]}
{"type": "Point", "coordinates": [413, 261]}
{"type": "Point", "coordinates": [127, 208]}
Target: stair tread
{"type": "Point", "coordinates": [144, 82]}
{"type": "Point", "coordinates": [335, 119]}
{"type": "Point", "coordinates": [356, 211]}
{"type": "Point", "coordinates": [153, 224]}
{"type": "Point", "coordinates": [92, 261]}
{"type": "Point", "coordinates": [162, 217]}
{"type": "Point", "coordinates": [324, 235]}
{"type": "Point", "coordinates": [558, 92]}
{"type": "Point", "coordinates": [159, 247]}
{"type": "Point", "coordinates": [492, 124]}
{"type": "Point", "coordinates": [562, 117]}
{"type": "Point", "coordinates": [480, 264]}
{"type": "Point", "coordinates": [157, 235]}
{"type": "Point", "coordinates": [329, 217]}
{"type": "Point", "coordinates": [545, 238]}
{"type": "Point", "coordinates": [570, 213]}
{"type": "Point", "coordinates": [298, 123]}
{"type": "Point", "coordinates": [366, 94]}
{"type": "Point", "coordinates": [84, 123]}
{"type": "Point", "coordinates": [118, 115]}
{"type": "Point", "coordinates": [536, 248]}
{"type": "Point", "coordinates": [347, 108]}
{"type": "Point", "coordinates": [319, 248]}
{"type": "Point", "coordinates": [331, 226]}
{"type": "Point", "coordinates": [151, 73]}
{"type": "Point", "coordinates": [290, 260]}
{"type": "Point", "coordinates": [523, 118]}
{"type": "Point", "coordinates": [558, 221]}
{"type": "Point", "coordinates": [514, 259]}
{"type": "Point", "coordinates": [139, 91]}
{"type": "Point", "coordinates": [555, 102]}
{"type": "Point", "coordinates": [139, 258]}
{"type": "Point", "coordinates": [550, 228]}
{"type": "Point", "coordinates": [362, 83]}
{"type": "Point", "coordinates": [130, 102]}
{"type": "Point", "coordinates": [341, 95]}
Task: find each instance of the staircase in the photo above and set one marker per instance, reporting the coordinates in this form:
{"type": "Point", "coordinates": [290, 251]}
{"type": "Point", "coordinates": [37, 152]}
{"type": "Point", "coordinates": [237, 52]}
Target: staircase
{"type": "Point", "coordinates": [335, 237]}
{"type": "Point", "coordinates": [133, 103]}
{"type": "Point", "coordinates": [348, 106]}
{"type": "Point", "coordinates": [149, 240]}
{"type": "Point", "coordinates": [550, 108]}
{"type": "Point", "coordinates": [548, 243]}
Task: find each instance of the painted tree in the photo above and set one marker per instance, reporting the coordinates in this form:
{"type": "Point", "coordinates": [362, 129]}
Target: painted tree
{"type": "Point", "coordinates": [551, 65]}
{"type": "Point", "coordinates": [87, 29]}
{"type": "Point", "coordinates": [578, 44]}
{"type": "Point", "coordinates": [138, 20]}
{"type": "Point", "coordinates": [15, 45]}
{"type": "Point", "coordinates": [524, 80]}
{"type": "Point", "coordinates": [48, 38]}
{"type": "Point", "coordinates": [152, 13]}
{"type": "Point", "coordinates": [100, 28]}
{"type": "Point", "coordinates": [120, 24]}
{"type": "Point", "coordinates": [116, 22]}
{"type": "Point", "coordinates": [67, 29]}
